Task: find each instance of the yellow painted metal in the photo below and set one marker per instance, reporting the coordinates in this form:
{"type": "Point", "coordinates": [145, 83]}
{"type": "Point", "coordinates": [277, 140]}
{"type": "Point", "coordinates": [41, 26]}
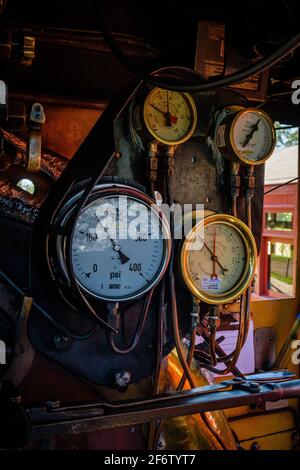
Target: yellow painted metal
{"type": "Point", "coordinates": [269, 430]}
{"type": "Point", "coordinates": [280, 441]}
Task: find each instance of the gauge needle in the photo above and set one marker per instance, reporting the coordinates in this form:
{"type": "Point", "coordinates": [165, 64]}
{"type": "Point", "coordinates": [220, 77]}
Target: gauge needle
{"type": "Point", "coordinates": [214, 274]}
{"type": "Point", "coordinates": [141, 274]}
{"type": "Point", "coordinates": [254, 128]}
{"type": "Point", "coordinates": [123, 258]}
{"type": "Point", "coordinates": [117, 248]}
{"type": "Point", "coordinates": [169, 119]}
{"type": "Point", "coordinates": [214, 258]}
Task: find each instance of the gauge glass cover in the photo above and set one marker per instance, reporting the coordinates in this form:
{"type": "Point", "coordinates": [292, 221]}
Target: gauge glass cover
{"type": "Point", "coordinates": [253, 136]}
{"type": "Point", "coordinates": [119, 248]}
{"type": "Point", "coordinates": [169, 116]}
{"type": "Point", "coordinates": [223, 266]}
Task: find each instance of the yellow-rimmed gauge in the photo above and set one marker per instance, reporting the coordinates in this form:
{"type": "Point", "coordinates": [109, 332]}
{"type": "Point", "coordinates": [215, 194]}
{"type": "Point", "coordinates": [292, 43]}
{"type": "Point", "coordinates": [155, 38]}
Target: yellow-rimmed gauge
{"type": "Point", "coordinates": [247, 135]}
{"type": "Point", "coordinates": [169, 117]}
{"type": "Point", "coordinates": [218, 259]}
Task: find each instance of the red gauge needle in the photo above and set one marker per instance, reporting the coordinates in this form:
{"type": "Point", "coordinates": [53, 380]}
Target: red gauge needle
{"type": "Point", "coordinates": [214, 259]}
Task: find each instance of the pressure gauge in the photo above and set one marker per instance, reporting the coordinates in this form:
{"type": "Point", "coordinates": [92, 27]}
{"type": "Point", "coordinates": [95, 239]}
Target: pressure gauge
{"type": "Point", "coordinates": [218, 259]}
{"type": "Point", "coordinates": [247, 136]}
{"type": "Point", "coordinates": [120, 245]}
{"type": "Point", "coordinates": [167, 117]}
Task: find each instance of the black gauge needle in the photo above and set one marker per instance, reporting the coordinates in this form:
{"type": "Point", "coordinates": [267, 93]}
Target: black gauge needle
{"type": "Point", "coordinates": [117, 248]}
{"type": "Point", "coordinates": [254, 128]}
{"type": "Point", "coordinates": [123, 258]}
{"type": "Point", "coordinates": [214, 258]}
{"type": "Point", "coordinates": [166, 115]}
{"type": "Point", "coordinates": [141, 274]}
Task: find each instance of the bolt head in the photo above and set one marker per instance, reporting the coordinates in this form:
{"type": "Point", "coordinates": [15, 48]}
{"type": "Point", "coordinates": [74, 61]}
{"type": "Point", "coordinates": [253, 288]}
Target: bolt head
{"type": "Point", "coordinates": [123, 378]}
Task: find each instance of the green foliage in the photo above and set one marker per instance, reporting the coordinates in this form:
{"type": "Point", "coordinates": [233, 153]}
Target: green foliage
{"type": "Point", "coordinates": [287, 137]}
{"type": "Point", "coordinates": [280, 258]}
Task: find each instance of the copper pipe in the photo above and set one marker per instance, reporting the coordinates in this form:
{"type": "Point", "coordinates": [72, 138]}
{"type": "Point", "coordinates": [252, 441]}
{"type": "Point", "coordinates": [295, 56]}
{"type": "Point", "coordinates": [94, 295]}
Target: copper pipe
{"type": "Point", "coordinates": [154, 427]}
{"type": "Point", "coordinates": [190, 355]}
{"type": "Point", "coordinates": [234, 206]}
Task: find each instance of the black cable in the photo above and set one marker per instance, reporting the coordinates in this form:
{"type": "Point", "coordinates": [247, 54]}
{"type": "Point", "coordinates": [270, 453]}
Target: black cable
{"type": "Point", "coordinates": [57, 325]}
{"type": "Point", "coordinates": [280, 185]}
{"type": "Point", "coordinates": [235, 77]}
{"type": "Point", "coordinates": [74, 286]}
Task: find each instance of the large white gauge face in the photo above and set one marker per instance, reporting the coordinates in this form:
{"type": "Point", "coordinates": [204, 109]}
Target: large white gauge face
{"type": "Point", "coordinates": [170, 117]}
{"type": "Point", "coordinates": [119, 248]}
{"type": "Point", "coordinates": [219, 270]}
{"type": "Point", "coordinates": [253, 136]}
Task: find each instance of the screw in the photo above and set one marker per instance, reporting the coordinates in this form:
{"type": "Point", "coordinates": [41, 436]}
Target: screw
{"type": "Point", "coordinates": [161, 444]}
{"type": "Point", "coordinates": [61, 342]}
{"type": "Point", "coordinates": [193, 159]}
{"type": "Point", "coordinates": [122, 379]}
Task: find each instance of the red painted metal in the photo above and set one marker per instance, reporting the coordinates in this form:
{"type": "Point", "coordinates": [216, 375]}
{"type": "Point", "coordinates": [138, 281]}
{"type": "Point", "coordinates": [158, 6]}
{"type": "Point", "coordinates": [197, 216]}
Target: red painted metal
{"type": "Point", "coordinates": [283, 199]}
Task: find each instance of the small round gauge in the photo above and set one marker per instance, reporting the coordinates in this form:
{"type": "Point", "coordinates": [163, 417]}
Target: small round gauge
{"type": "Point", "coordinates": [170, 117]}
{"type": "Point", "coordinates": [120, 246]}
{"type": "Point", "coordinates": [218, 259]}
{"type": "Point", "coordinates": [248, 135]}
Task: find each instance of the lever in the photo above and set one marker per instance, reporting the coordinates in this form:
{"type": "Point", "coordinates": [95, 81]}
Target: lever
{"type": "Point", "coordinates": [34, 147]}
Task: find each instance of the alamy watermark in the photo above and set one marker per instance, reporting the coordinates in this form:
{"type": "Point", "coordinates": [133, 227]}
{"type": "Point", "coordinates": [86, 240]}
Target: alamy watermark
{"type": "Point", "coordinates": [130, 219]}
{"type": "Point", "coordinates": [296, 93]}
{"type": "Point", "coordinates": [296, 354]}
{"type": "Point", "coordinates": [2, 353]}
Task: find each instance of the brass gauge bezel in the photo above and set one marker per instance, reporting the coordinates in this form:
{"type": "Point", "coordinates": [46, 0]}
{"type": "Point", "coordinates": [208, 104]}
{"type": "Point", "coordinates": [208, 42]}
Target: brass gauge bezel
{"type": "Point", "coordinates": [193, 111]}
{"type": "Point", "coordinates": [250, 263]}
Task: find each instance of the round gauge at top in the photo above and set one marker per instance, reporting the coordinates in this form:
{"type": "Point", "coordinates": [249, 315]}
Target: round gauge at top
{"type": "Point", "coordinates": [218, 259]}
{"type": "Point", "coordinates": [248, 136]}
{"type": "Point", "coordinates": [169, 117]}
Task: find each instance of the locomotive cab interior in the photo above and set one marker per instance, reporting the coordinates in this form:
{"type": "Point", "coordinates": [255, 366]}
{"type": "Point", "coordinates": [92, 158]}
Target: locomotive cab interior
{"type": "Point", "coordinates": [149, 225]}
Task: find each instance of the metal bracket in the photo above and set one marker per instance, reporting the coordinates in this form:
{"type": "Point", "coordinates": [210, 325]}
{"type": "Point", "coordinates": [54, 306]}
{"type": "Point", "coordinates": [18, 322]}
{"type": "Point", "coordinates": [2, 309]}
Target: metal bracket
{"type": "Point", "coordinates": [28, 51]}
{"type": "Point", "coordinates": [251, 387]}
{"type": "Point", "coordinates": [34, 149]}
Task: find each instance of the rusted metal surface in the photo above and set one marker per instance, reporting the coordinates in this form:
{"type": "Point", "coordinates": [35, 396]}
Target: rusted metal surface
{"type": "Point", "coordinates": [52, 164]}
{"type": "Point", "coordinates": [180, 404]}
